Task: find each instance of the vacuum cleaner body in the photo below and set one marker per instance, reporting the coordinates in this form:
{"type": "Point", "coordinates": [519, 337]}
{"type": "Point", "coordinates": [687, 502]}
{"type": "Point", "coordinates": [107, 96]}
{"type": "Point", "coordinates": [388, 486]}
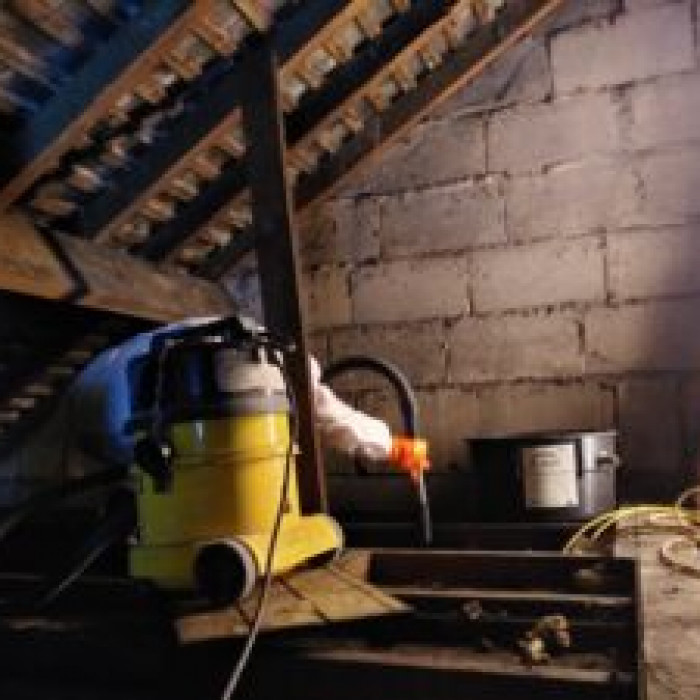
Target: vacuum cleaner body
{"type": "Point", "coordinates": [212, 455]}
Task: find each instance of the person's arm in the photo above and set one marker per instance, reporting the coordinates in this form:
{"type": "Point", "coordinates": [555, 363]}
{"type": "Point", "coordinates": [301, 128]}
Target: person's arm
{"type": "Point", "coordinates": [355, 432]}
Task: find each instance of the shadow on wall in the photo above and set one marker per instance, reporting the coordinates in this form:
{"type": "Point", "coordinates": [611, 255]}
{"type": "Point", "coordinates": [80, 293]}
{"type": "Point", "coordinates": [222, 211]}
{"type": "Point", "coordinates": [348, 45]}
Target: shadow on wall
{"type": "Point", "coordinates": [652, 337]}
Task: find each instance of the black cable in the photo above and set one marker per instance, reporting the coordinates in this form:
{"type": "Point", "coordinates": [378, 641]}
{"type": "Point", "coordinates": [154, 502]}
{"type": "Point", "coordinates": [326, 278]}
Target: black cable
{"type": "Point", "coordinates": [408, 404]}
{"type": "Point", "coordinates": [244, 658]}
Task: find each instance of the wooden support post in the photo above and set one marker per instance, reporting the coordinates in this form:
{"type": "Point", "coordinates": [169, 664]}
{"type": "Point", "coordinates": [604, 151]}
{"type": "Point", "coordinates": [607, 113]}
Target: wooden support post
{"type": "Point", "coordinates": [276, 248]}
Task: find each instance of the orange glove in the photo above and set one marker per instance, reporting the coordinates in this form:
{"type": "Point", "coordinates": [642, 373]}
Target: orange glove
{"type": "Point", "coordinates": [410, 454]}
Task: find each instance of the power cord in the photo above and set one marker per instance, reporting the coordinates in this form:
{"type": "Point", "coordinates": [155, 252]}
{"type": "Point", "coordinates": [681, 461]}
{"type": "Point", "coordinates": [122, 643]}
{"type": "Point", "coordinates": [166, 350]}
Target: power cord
{"type": "Point", "coordinates": [244, 658]}
{"type": "Point", "coordinates": [655, 518]}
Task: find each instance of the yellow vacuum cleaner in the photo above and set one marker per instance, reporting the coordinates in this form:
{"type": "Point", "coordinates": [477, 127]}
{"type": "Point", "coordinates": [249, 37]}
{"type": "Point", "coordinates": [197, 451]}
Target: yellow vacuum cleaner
{"type": "Point", "coordinates": [212, 451]}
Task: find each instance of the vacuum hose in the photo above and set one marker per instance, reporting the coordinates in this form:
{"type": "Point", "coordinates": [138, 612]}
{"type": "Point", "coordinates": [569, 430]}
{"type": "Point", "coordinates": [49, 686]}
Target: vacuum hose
{"type": "Point", "coordinates": [408, 405]}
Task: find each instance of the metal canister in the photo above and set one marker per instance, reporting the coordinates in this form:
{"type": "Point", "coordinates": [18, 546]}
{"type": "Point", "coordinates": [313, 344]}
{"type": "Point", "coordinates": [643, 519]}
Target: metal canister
{"type": "Point", "coordinates": [559, 476]}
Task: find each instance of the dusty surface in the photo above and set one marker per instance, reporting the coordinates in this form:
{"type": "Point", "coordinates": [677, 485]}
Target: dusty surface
{"type": "Point", "coordinates": [671, 605]}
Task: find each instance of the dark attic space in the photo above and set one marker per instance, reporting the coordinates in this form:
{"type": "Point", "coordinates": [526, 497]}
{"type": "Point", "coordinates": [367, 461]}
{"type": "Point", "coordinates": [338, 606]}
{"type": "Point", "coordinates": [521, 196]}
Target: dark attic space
{"type": "Point", "coordinates": [349, 346]}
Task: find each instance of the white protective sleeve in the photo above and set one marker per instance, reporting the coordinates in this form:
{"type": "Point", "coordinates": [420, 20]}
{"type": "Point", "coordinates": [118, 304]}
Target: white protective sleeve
{"type": "Point", "coordinates": [345, 428]}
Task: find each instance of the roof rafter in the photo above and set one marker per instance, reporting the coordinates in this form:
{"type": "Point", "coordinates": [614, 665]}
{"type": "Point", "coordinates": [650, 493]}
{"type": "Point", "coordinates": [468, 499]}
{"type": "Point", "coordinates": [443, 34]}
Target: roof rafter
{"type": "Point", "coordinates": [312, 112]}
{"type": "Point", "coordinates": [214, 117]}
{"type": "Point", "coordinates": [71, 112]}
{"type": "Point", "coordinates": [453, 70]}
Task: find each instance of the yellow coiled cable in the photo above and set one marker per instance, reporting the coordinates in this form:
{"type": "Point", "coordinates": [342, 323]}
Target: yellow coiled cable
{"type": "Point", "coordinates": [654, 516]}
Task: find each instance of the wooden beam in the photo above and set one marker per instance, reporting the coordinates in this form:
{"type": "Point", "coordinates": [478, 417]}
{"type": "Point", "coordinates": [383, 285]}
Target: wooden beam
{"type": "Point", "coordinates": [202, 124]}
{"type": "Point", "coordinates": [518, 19]}
{"type": "Point", "coordinates": [194, 214]}
{"type": "Point", "coordinates": [313, 110]}
{"type": "Point", "coordinates": [276, 248]}
{"type": "Point", "coordinates": [72, 112]}
{"type": "Point", "coordinates": [64, 268]}
{"type": "Point", "coordinates": [461, 66]}
{"type": "Point", "coordinates": [421, 672]}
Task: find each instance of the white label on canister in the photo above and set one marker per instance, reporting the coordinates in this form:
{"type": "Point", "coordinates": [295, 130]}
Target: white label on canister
{"type": "Point", "coordinates": [549, 476]}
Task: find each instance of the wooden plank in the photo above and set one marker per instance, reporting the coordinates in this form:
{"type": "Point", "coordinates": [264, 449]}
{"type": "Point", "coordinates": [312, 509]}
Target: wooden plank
{"type": "Point", "coordinates": [483, 604]}
{"type": "Point", "coordinates": [669, 615]}
{"type": "Point", "coordinates": [473, 536]}
{"type": "Point", "coordinates": [410, 658]}
{"type": "Point", "coordinates": [283, 610]}
{"type": "Point", "coordinates": [423, 673]}
{"type": "Point", "coordinates": [489, 570]}
{"type": "Point", "coordinates": [75, 270]}
{"type": "Point", "coordinates": [300, 600]}
{"type": "Point", "coordinates": [257, 13]}
{"type": "Point", "coordinates": [383, 597]}
{"type": "Point", "coordinates": [554, 598]}
{"type": "Point", "coordinates": [278, 258]}
{"type": "Point", "coordinates": [337, 597]}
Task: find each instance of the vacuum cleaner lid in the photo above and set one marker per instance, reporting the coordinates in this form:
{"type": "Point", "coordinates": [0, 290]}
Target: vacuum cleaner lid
{"type": "Point", "coordinates": [206, 380]}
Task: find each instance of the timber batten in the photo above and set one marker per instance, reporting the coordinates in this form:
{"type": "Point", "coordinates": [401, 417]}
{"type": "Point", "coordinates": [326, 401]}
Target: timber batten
{"type": "Point", "coordinates": [91, 276]}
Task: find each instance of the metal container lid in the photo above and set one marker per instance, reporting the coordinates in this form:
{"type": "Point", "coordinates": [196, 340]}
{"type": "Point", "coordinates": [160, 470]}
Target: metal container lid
{"type": "Point", "coordinates": [543, 438]}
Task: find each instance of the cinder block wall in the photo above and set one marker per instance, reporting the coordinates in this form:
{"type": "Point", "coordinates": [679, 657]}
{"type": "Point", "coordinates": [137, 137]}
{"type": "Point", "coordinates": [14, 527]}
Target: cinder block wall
{"type": "Point", "coordinates": [530, 253]}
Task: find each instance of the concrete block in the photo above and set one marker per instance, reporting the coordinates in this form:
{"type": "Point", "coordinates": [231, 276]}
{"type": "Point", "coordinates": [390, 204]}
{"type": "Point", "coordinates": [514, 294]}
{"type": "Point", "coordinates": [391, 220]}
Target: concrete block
{"type": "Point", "coordinates": [418, 349]}
{"type": "Point", "coordinates": [545, 407]}
{"type": "Point", "coordinates": [456, 414]}
{"type": "Point", "coordinates": [665, 111]}
{"type": "Point", "coordinates": [410, 290]}
{"type": "Point", "coordinates": [636, 46]}
{"type": "Point", "coordinates": [659, 263]}
{"type": "Point", "coordinates": [514, 347]}
{"type": "Point", "coordinates": [450, 218]}
{"type": "Point", "coordinates": [521, 75]}
{"type": "Point", "coordinates": [649, 336]}
{"type": "Point", "coordinates": [579, 12]}
{"type": "Point", "coordinates": [634, 5]}
{"type": "Point", "coordinates": [669, 186]}
{"type": "Point", "coordinates": [340, 231]}
{"type": "Point", "coordinates": [527, 139]}
{"type": "Point", "coordinates": [538, 274]}
{"type": "Point", "coordinates": [572, 199]}
{"type": "Point", "coordinates": [434, 152]}
{"type": "Point", "coordinates": [650, 439]}
{"type": "Point", "coordinates": [327, 292]}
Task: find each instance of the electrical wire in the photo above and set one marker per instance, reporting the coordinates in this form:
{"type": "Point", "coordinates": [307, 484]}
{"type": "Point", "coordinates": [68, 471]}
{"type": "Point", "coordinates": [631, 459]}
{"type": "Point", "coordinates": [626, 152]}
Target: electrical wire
{"type": "Point", "coordinates": [244, 658]}
{"type": "Point", "coordinates": [408, 406]}
{"type": "Point", "coordinates": [594, 529]}
{"type": "Point", "coordinates": [656, 517]}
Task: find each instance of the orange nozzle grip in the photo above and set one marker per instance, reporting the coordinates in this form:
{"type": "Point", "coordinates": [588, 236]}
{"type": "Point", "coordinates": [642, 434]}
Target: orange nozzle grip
{"type": "Point", "coordinates": [410, 454]}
